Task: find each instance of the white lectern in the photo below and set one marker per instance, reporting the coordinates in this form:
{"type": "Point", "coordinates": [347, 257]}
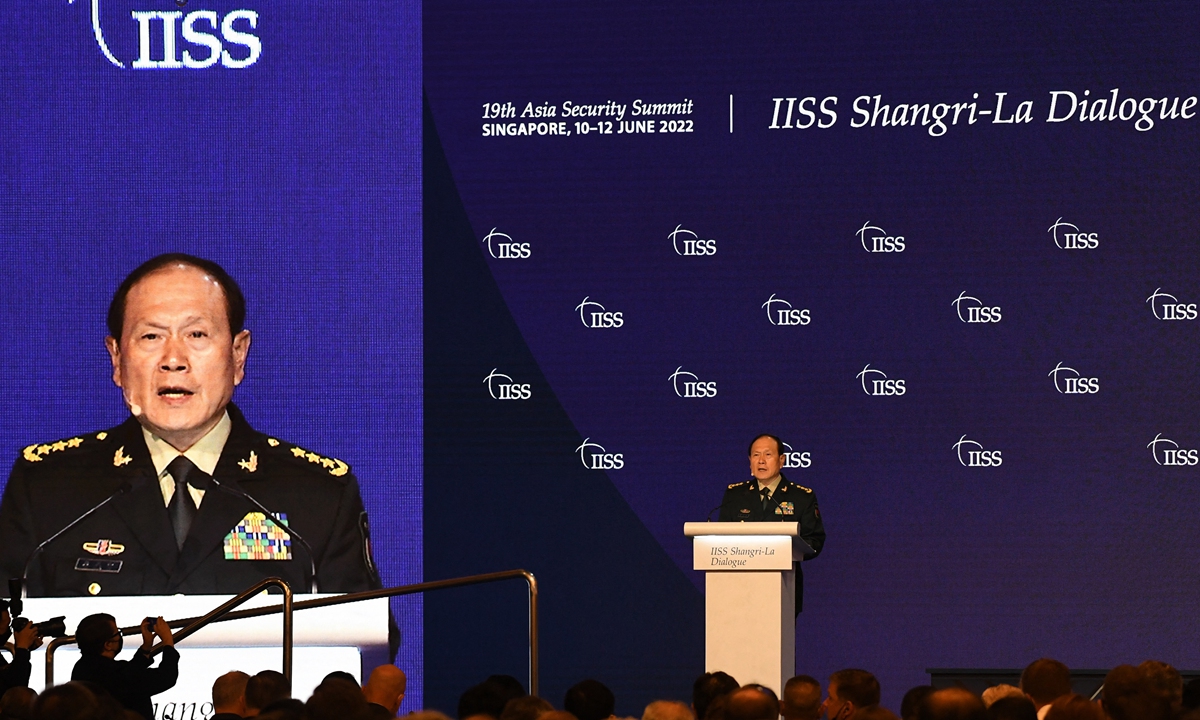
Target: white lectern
{"type": "Point", "coordinates": [351, 637]}
{"type": "Point", "coordinates": [749, 597]}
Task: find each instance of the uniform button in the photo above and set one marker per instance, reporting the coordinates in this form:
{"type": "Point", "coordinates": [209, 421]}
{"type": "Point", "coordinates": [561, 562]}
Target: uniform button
{"type": "Point", "coordinates": [94, 588]}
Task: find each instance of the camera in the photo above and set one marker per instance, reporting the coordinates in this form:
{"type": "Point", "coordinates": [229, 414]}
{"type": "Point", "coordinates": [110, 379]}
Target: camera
{"type": "Point", "coordinates": [54, 627]}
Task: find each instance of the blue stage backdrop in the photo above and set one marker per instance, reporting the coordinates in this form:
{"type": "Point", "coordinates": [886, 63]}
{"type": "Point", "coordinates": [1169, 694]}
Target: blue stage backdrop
{"type": "Point", "coordinates": [948, 251]}
{"type": "Point", "coordinates": [279, 139]}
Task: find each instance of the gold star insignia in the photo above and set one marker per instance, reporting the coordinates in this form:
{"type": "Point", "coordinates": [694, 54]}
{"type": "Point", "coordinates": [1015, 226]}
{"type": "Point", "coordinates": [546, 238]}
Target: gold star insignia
{"type": "Point", "coordinates": [298, 452]}
{"type": "Point", "coordinates": [44, 449]}
{"type": "Point", "coordinates": [313, 457]}
{"type": "Point", "coordinates": [60, 445]}
{"type": "Point", "coordinates": [326, 462]}
{"type": "Point", "coordinates": [76, 441]}
{"type": "Point", "coordinates": [120, 458]}
{"type": "Point", "coordinates": [251, 464]}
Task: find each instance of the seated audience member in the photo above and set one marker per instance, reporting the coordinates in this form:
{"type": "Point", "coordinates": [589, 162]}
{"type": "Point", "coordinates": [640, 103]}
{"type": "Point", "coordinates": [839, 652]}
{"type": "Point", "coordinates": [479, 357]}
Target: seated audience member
{"type": "Point", "coordinates": [229, 696]}
{"type": "Point", "coordinates": [589, 700]}
{"type": "Point", "coordinates": [1016, 707]}
{"type": "Point", "coordinates": [264, 688]}
{"type": "Point", "coordinates": [507, 684]}
{"type": "Point", "coordinates": [525, 708]}
{"type": "Point", "coordinates": [285, 709]}
{"type": "Point", "coordinates": [17, 704]}
{"type": "Point", "coordinates": [801, 699]}
{"type": "Point", "coordinates": [71, 701]}
{"type": "Point", "coordinates": [1165, 681]}
{"type": "Point", "coordinates": [874, 712]}
{"type": "Point", "coordinates": [667, 710]}
{"type": "Point", "coordinates": [709, 687]}
{"type": "Point", "coordinates": [752, 702]}
{"type": "Point", "coordinates": [341, 675]}
{"type": "Point", "coordinates": [1044, 681]}
{"type": "Point", "coordinates": [131, 682]}
{"type": "Point", "coordinates": [385, 690]}
{"type": "Point", "coordinates": [717, 709]}
{"type": "Point", "coordinates": [1191, 694]}
{"type": "Point", "coordinates": [1129, 695]}
{"type": "Point", "coordinates": [1075, 707]}
{"type": "Point", "coordinates": [850, 690]}
{"type": "Point", "coordinates": [952, 704]}
{"type": "Point", "coordinates": [488, 698]}
{"type": "Point", "coordinates": [557, 715]}
{"type": "Point", "coordinates": [912, 701]}
{"type": "Point", "coordinates": [996, 692]}
{"type": "Point", "coordinates": [336, 699]}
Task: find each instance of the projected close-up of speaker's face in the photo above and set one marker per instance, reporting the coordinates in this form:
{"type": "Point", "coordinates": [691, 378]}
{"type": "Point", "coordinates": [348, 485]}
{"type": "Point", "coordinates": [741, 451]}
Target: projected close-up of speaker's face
{"type": "Point", "coordinates": [177, 360]}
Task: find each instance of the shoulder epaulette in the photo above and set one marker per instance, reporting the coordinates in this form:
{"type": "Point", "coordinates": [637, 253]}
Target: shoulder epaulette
{"type": "Point", "coordinates": [40, 451]}
{"type": "Point", "coordinates": [807, 490]}
{"type": "Point", "coordinates": [734, 485]}
{"type": "Point", "coordinates": [333, 466]}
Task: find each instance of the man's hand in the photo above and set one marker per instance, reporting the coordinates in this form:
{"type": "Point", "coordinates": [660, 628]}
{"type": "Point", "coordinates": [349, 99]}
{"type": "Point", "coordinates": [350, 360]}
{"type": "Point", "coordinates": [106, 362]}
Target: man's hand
{"type": "Point", "coordinates": [147, 634]}
{"type": "Point", "coordinates": [28, 638]}
{"type": "Point", "coordinates": [163, 630]}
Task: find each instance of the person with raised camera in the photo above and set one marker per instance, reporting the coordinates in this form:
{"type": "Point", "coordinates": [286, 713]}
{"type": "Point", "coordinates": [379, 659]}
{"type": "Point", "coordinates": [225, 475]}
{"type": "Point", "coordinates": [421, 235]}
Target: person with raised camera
{"type": "Point", "coordinates": [16, 673]}
{"type": "Point", "coordinates": [131, 682]}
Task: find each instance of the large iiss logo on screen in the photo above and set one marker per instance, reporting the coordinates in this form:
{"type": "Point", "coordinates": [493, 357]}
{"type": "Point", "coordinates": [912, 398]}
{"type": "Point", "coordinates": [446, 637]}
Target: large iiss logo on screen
{"type": "Point", "coordinates": [503, 387]}
{"type": "Point", "coordinates": [796, 459]}
{"type": "Point", "coordinates": [876, 383]}
{"type": "Point", "coordinates": [971, 309]}
{"type": "Point", "coordinates": [971, 453]}
{"type": "Point", "coordinates": [503, 247]}
{"type": "Point", "coordinates": [1168, 307]}
{"type": "Point", "coordinates": [595, 457]}
{"type": "Point", "coordinates": [875, 239]}
{"type": "Point", "coordinates": [174, 40]}
{"type": "Point", "coordinates": [689, 385]}
{"type": "Point", "coordinates": [594, 315]}
{"type": "Point", "coordinates": [781, 312]}
{"type": "Point", "coordinates": [689, 243]}
{"type": "Point", "coordinates": [1167, 452]}
{"type": "Point", "coordinates": [1069, 381]}
{"type": "Point", "coordinates": [1068, 236]}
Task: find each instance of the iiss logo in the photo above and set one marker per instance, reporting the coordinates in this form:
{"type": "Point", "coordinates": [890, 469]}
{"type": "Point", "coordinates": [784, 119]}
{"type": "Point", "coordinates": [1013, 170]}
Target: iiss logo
{"type": "Point", "coordinates": [1068, 236]}
{"type": "Point", "coordinates": [502, 247]}
{"type": "Point", "coordinates": [593, 315]}
{"type": "Point", "coordinates": [687, 242]}
{"type": "Point", "coordinates": [795, 459]}
{"type": "Point", "coordinates": [972, 454]}
{"type": "Point", "coordinates": [502, 387]}
{"type": "Point", "coordinates": [1167, 452]}
{"type": "Point", "coordinates": [688, 385]}
{"type": "Point", "coordinates": [1167, 307]}
{"type": "Point", "coordinates": [976, 311]}
{"type": "Point", "coordinates": [781, 312]}
{"type": "Point", "coordinates": [1068, 381]}
{"type": "Point", "coordinates": [877, 384]}
{"type": "Point", "coordinates": [195, 34]}
{"type": "Point", "coordinates": [595, 457]}
{"type": "Point", "coordinates": [875, 239]}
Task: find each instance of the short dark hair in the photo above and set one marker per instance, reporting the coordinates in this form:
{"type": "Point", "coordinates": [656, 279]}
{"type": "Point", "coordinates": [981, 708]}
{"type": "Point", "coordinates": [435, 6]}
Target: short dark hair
{"type": "Point", "coordinates": [1129, 694]}
{"type": "Point", "coordinates": [235, 302]}
{"type": "Point", "coordinates": [709, 687]}
{"type": "Point", "coordinates": [93, 631]}
{"type": "Point", "coordinates": [778, 443]}
{"type": "Point", "coordinates": [589, 700]}
{"type": "Point", "coordinates": [752, 702]}
{"type": "Point", "coordinates": [912, 700]}
{"type": "Point", "coordinates": [858, 686]}
{"type": "Point", "coordinates": [1012, 708]}
{"type": "Point", "coordinates": [953, 703]}
{"type": "Point", "coordinates": [1046, 679]}
{"type": "Point", "coordinates": [266, 687]}
{"type": "Point", "coordinates": [71, 701]}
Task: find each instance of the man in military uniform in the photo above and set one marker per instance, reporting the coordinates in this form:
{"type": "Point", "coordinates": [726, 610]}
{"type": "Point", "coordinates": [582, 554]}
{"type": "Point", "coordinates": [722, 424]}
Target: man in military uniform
{"type": "Point", "coordinates": [771, 497]}
{"type": "Point", "coordinates": [179, 470]}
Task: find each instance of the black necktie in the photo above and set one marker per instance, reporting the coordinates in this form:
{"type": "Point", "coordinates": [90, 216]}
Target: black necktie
{"type": "Point", "coordinates": [181, 509]}
{"type": "Point", "coordinates": [766, 497]}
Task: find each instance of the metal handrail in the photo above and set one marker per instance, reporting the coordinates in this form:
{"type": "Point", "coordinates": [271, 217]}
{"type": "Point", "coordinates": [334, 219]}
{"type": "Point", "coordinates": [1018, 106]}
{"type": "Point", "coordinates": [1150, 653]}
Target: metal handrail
{"type": "Point", "coordinates": [397, 591]}
{"type": "Point", "coordinates": [191, 625]}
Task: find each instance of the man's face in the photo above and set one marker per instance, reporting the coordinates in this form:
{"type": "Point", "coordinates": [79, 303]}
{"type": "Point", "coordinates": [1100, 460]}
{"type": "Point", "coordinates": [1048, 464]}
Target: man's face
{"type": "Point", "coordinates": [834, 708]}
{"type": "Point", "coordinates": [765, 460]}
{"type": "Point", "coordinates": [177, 361]}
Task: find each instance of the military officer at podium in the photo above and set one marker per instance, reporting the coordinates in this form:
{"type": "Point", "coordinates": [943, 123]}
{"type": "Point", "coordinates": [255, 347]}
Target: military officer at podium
{"type": "Point", "coordinates": [177, 473]}
{"type": "Point", "coordinates": [768, 496]}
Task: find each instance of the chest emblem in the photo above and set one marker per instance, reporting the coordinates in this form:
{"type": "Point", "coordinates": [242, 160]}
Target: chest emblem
{"type": "Point", "coordinates": [786, 508]}
{"type": "Point", "coordinates": [104, 548]}
{"type": "Point", "coordinates": [120, 458]}
{"type": "Point", "coordinates": [250, 464]}
{"type": "Point", "coordinates": [256, 537]}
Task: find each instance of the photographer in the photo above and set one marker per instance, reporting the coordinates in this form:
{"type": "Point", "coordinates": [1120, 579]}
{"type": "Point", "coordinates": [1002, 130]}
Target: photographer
{"type": "Point", "coordinates": [16, 674]}
{"type": "Point", "coordinates": [131, 682]}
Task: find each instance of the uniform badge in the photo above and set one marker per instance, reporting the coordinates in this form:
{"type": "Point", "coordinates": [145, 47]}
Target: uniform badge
{"type": "Point", "coordinates": [250, 464]}
{"type": "Point", "coordinates": [257, 537]}
{"type": "Point", "coordinates": [104, 548]}
{"type": "Point", "coordinates": [120, 458]}
{"type": "Point", "coordinates": [744, 511]}
{"type": "Point", "coordinates": [786, 508]}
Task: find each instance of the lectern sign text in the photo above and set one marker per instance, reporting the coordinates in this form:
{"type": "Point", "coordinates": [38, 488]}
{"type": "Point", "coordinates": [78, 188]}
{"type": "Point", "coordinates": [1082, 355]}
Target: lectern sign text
{"type": "Point", "coordinates": [742, 552]}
